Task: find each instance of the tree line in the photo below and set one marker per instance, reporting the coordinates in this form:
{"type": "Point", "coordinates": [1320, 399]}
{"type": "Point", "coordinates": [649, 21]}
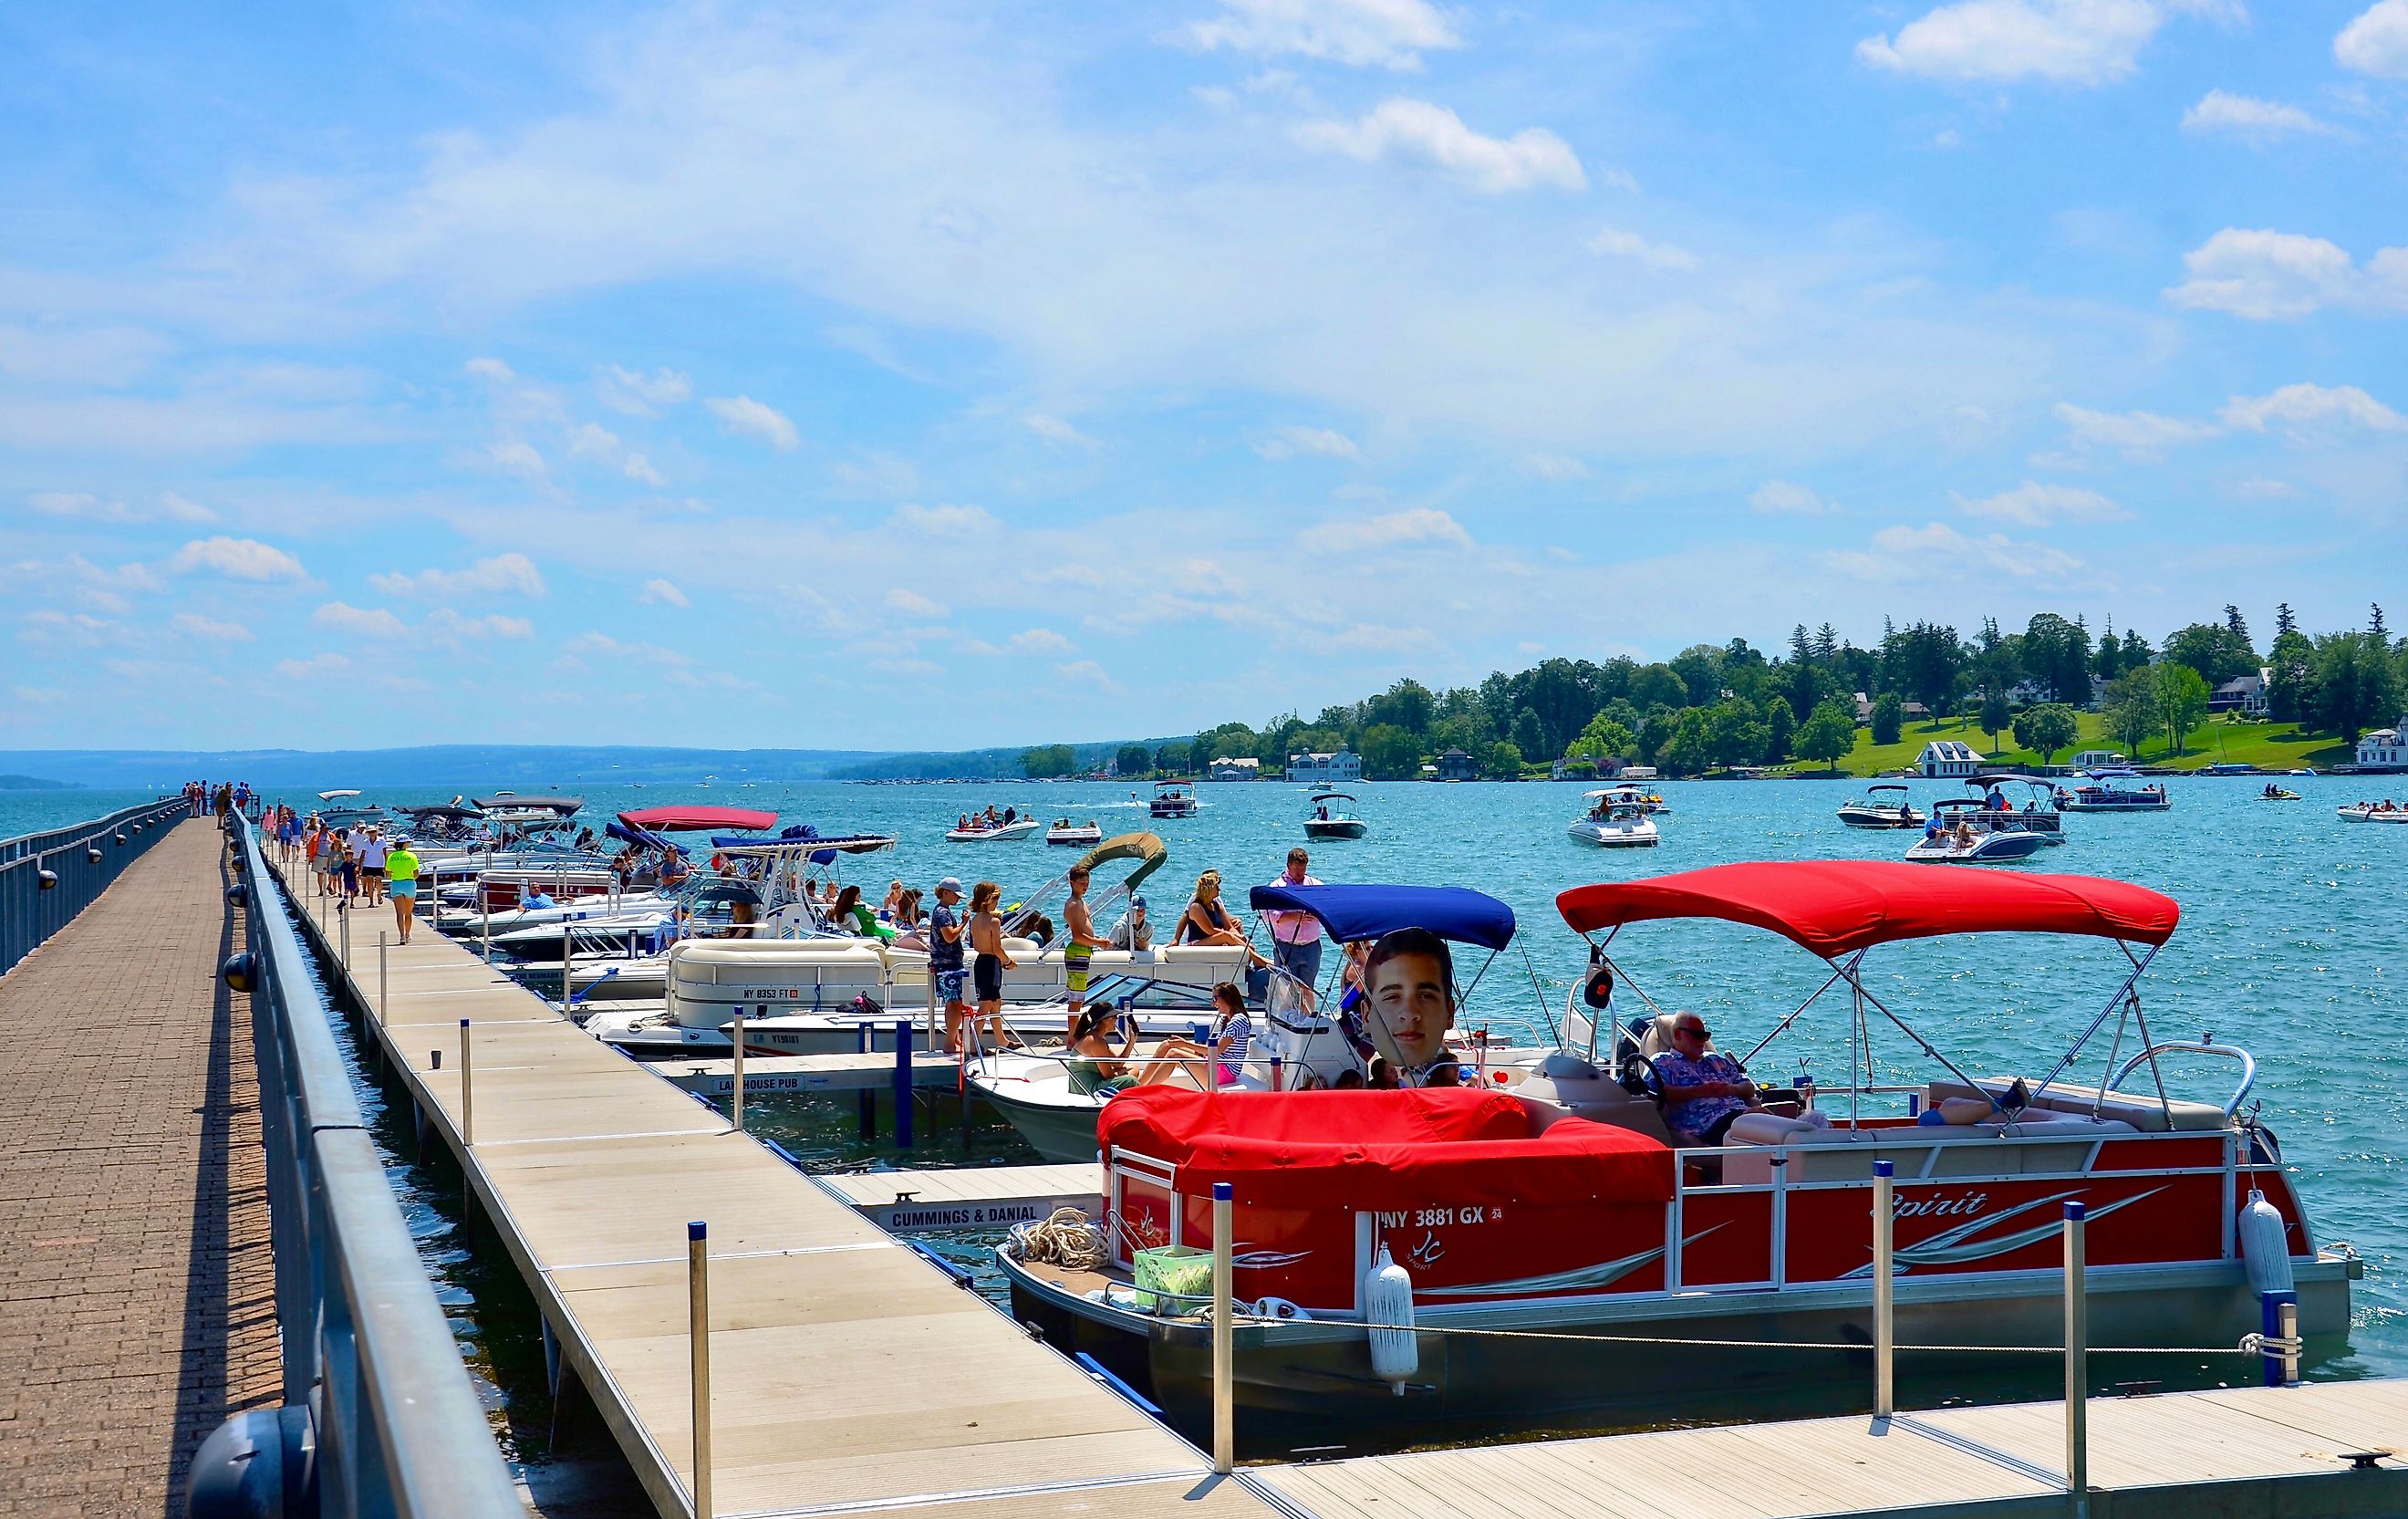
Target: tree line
{"type": "Point", "coordinates": [1732, 704]}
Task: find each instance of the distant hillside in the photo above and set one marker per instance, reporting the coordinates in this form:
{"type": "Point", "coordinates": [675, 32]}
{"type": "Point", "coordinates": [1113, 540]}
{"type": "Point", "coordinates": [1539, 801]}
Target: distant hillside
{"type": "Point", "coordinates": [520, 767]}
{"type": "Point", "coordinates": [34, 783]}
{"type": "Point", "coordinates": [976, 764]}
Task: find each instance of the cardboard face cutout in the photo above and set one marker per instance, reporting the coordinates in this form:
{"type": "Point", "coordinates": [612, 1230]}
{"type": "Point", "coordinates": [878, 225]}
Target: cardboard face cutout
{"type": "Point", "coordinates": [1408, 1007]}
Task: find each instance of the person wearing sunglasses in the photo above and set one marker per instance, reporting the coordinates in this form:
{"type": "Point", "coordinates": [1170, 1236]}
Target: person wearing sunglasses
{"type": "Point", "coordinates": [1704, 1089]}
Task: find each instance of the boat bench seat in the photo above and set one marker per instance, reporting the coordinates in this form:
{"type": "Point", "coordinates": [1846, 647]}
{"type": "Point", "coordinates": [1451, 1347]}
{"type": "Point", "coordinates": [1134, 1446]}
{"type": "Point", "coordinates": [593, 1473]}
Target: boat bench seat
{"type": "Point", "coordinates": [2144, 1113]}
{"type": "Point", "coordinates": [1815, 1154]}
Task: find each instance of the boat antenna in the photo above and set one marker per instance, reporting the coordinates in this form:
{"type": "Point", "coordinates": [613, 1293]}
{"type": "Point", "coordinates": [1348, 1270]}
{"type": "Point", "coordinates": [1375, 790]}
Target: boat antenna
{"type": "Point", "coordinates": [1545, 1010]}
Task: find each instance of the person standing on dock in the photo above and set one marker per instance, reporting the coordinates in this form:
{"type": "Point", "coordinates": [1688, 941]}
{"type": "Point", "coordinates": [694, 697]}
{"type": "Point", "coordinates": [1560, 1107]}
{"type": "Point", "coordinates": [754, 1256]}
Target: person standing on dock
{"type": "Point", "coordinates": [372, 866]}
{"type": "Point", "coordinates": [401, 885]}
{"type": "Point", "coordinates": [945, 959]}
{"type": "Point", "coordinates": [1079, 946]}
{"type": "Point", "coordinates": [989, 960]}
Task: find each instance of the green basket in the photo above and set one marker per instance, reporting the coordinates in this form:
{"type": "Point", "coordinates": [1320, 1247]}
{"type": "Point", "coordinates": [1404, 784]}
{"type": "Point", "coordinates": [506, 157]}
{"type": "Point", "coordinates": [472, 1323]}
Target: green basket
{"type": "Point", "coordinates": [1166, 1274]}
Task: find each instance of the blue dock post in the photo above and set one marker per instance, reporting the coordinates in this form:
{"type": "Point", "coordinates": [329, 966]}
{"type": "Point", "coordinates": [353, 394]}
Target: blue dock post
{"type": "Point", "coordinates": [903, 1084]}
{"type": "Point", "coordinates": [866, 1101]}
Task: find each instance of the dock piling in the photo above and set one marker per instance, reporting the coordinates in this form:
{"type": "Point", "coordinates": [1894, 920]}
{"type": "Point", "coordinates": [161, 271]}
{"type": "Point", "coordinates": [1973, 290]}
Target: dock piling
{"type": "Point", "coordinates": [697, 1336]}
{"type": "Point", "coordinates": [345, 918]}
{"type": "Point", "coordinates": [2077, 1351]}
{"type": "Point", "coordinates": [737, 1105]}
{"type": "Point", "coordinates": [2288, 1320]}
{"type": "Point", "coordinates": [1884, 1291]}
{"type": "Point", "coordinates": [865, 1103]}
{"type": "Point", "coordinates": [563, 968]}
{"type": "Point", "coordinates": [468, 1093]}
{"type": "Point", "coordinates": [903, 1084]}
{"type": "Point", "coordinates": [1225, 1331]}
{"type": "Point", "coordinates": [378, 1012]}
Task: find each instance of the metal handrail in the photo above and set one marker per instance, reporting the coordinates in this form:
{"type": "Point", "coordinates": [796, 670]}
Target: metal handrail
{"type": "Point", "coordinates": [397, 1423]}
{"type": "Point", "coordinates": [2248, 1065]}
{"type": "Point", "coordinates": [48, 878]}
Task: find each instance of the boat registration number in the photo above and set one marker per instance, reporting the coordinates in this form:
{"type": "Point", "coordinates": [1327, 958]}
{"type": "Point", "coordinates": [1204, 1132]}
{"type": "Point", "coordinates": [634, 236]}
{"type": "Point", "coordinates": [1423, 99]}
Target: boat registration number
{"type": "Point", "coordinates": [773, 994]}
{"type": "Point", "coordinates": [1439, 1218]}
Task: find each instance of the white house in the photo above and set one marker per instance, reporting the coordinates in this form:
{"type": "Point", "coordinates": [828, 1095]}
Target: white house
{"type": "Point", "coordinates": [2383, 748]}
{"type": "Point", "coordinates": [2245, 694]}
{"type": "Point", "coordinates": [1244, 768]}
{"type": "Point", "coordinates": [2096, 759]}
{"type": "Point", "coordinates": [1337, 769]}
{"type": "Point", "coordinates": [1945, 759]}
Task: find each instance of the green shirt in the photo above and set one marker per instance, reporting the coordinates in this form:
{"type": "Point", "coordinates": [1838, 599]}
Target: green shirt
{"type": "Point", "coordinates": [400, 865]}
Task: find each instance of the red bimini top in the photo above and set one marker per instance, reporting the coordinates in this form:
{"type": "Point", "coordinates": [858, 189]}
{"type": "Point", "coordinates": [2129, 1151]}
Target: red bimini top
{"type": "Point", "coordinates": [1373, 1150]}
{"type": "Point", "coordinates": [1838, 907]}
{"type": "Point", "coordinates": [695, 819]}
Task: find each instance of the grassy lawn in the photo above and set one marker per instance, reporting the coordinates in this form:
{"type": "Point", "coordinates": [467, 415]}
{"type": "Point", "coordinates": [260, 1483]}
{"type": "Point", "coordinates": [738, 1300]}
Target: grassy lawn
{"type": "Point", "coordinates": [2273, 746]}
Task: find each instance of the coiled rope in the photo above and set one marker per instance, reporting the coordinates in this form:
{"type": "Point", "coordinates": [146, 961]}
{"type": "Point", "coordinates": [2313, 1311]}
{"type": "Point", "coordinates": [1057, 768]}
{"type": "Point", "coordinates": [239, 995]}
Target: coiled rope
{"type": "Point", "coordinates": [1065, 1238]}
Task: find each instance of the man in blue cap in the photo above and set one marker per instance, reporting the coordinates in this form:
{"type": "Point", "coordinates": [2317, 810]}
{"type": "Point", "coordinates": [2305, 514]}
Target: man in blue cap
{"type": "Point", "coordinates": [945, 959]}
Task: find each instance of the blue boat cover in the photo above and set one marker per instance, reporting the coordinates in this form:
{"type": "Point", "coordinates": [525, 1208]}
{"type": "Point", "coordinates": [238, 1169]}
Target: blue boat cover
{"type": "Point", "coordinates": [1360, 912]}
{"type": "Point", "coordinates": [643, 836]}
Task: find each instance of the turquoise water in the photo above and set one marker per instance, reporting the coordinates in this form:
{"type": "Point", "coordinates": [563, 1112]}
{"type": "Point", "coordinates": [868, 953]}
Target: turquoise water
{"type": "Point", "coordinates": [2290, 946]}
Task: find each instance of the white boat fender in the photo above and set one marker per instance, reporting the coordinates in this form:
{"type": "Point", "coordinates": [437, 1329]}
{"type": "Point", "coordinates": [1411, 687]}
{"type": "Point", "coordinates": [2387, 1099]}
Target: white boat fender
{"type": "Point", "coordinates": [2265, 1245]}
{"type": "Point", "coordinates": [1389, 1310]}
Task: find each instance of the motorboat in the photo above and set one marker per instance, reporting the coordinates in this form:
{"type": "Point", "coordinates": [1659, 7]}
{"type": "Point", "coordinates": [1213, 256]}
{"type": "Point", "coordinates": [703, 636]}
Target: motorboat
{"type": "Point", "coordinates": [1962, 831]}
{"type": "Point", "coordinates": [1883, 806]}
{"type": "Point", "coordinates": [1303, 1039]}
{"type": "Point", "coordinates": [1611, 824]}
{"type": "Point", "coordinates": [998, 833]}
{"type": "Point", "coordinates": [1522, 1252]}
{"type": "Point", "coordinates": [1173, 799]}
{"type": "Point", "coordinates": [2107, 791]}
{"type": "Point", "coordinates": [2373, 812]}
{"type": "Point", "coordinates": [1999, 814]}
{"type": "Point", "coordinates": [1329, 819]}
{"type": "Point", "coordinates": [1638, 795]}
{"type": "Point", "coordinates": [1085, 834]}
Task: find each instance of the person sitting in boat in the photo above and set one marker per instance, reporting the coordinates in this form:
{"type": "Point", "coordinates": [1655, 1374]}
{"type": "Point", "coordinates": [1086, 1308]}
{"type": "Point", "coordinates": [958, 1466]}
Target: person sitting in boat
{"type": "Point", "coordinates": [1233, 1036]}
{"type": "Point", "coordinates": [1100, 1047]}
{"type": "Point", "coordinates": [1704, 1090]}
{"type": "Point", "coordinates": [1409, 998]}
{"type": "Point", "coordinates": [1133, 932]}
{"type": "Point", "coordinates": [964, 826]}
{"type": "Point", "coordinates": [911, 926]}
{"type": "Point", "coordinates": [1934, 833]}
{"type": "Point", "coordinates": [1207, 922]}
{"type": "Point", "coordinates": [852, 916]}
{"type": "Point", "coordinates": [539, 898]}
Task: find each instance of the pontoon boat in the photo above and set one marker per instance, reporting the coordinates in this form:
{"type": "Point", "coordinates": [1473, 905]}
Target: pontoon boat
{"type": "Point", "coordinates": [1082, 835]}
{"type": "Point", "coordinates": [2105, 791]}
{"type": "Point", "coordinates": [1173, 799]}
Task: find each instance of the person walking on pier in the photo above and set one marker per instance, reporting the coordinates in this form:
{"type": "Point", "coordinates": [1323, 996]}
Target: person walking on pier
{"type": "Point", "coordinates": [372, 866]}
{"type": "Point", "coordinates": [401, 885]}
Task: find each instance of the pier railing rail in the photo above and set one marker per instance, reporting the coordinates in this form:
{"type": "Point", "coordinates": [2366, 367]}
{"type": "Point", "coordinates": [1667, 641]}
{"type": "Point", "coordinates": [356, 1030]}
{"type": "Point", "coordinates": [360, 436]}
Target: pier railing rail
{"type": "Point", "coordinates": [46, 877]}
{"type": "Point", "coordinates": [381, 1418]}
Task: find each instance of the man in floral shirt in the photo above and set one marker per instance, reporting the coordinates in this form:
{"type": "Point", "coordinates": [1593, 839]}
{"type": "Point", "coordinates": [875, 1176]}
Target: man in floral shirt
{"type": "Point", "coordinates": [1704, 1090]}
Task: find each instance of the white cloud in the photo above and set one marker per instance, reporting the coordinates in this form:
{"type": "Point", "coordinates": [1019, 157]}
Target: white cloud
{"type": "Point", "coordinates": [659, 593]}
{"type": "Point", "coordinates": [513, 457]}
{"type": "Point", "coordinates": [1396, 529]}
{"type": "Point", "coordinates": [2309, 412]}
{"type": "Point", "coordinates": [1939, 550]}
{"type": "Point", "coordinates": [236, 559]}
{"type": "Point", "coordinates": [84, 507]}
{"type": "Point", "coordinates": [1419, 131]}
{"type": "Point", "coordinates": [589, 440]}
{"type": "Point", "coordinates": [374, 623]}
{"type": "Point", "coordinates": [945, 520]}
{"type": "Point", "coordinates": [2143, 435]}
{"type": "Point", "coordinates": [1055, 430]}
{"type": "Point", "coordinates": [2245, 116]}
{"type": "Point", "coordinates": [1613, 243]}
{"type": "Point", "coordinates": [456, 628]}
{"type": "Point", "coordinates": [314, 668]}
{"type": "Point", "coordinates": [1086, 672]}
{"type": "Point", "coordinates": [2035, 505]}
{"type": "Point", "coordinates": [1289, 442]}
{"type": "Point", "coordinates": [1041, 641]}
{"type": "Point", "coordinates": [1383, 34]}
{"type": "Point", "coordinates": [2062, 41]}
{"type": "Point", "coordinates": [912, 602]}
{"type": "Point", "coordinates": [193, 626]}
{"type": "Point", "coordinates": [2377, 41]}
{"type": "Point", "coordinates": [1557, 468]}
{"type": "Point", "coordinates": [750, 418]}
{"type": "Point", "coordinates": [2263, 273]}
{"type": "Point", "coordinates": [1787, 497]}
{"type": "Point", "coordinates": [492, 369]}
{"type": "Point", "coordinates": [503, 574]}
{"type": "Point", "coordinates": [637, 394]}
{"type": "Point", "coordinates": [877, 475]}
{"type": "Point", "coordinates": [2265, 488]}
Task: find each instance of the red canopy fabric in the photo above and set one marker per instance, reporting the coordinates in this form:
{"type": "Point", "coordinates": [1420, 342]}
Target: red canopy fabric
{"type": "Point", "coordinates": [1838, 907]}
{"type": "Point", "coordinates": [1383, 1150]}
{"type": "Point", "coordinates": [693, 819]}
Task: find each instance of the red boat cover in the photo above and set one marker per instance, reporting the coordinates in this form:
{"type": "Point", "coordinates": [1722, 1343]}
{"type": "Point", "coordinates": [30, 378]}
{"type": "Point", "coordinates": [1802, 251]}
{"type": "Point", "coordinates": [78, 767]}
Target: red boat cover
{"type": "Point", "coordinates": [694, 819]}
{"type": "Point", "coordinates": [1356, 1151]}
{"type": "Point", "coordinates": [1838, 907]}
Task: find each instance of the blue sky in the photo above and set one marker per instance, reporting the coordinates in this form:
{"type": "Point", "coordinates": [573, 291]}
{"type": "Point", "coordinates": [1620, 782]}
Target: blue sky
{"type": "Point", "coordinates": [932, 377]}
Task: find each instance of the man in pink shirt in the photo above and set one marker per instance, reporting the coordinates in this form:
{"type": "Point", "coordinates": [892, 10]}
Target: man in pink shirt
{"type": "Point", "coordinates": [1296, 936]}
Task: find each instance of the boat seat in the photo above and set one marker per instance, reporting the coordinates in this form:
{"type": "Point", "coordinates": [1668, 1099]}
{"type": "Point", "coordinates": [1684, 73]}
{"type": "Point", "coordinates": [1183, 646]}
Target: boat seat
{"type": "Point", "coordinates": [2130, 1109]}
{"type": "Point", "coordinates": [1597, 1099]}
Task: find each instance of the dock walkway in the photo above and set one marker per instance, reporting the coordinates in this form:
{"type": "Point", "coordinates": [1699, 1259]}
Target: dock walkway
{"type": "Point", "coordinates": [136, 1299]}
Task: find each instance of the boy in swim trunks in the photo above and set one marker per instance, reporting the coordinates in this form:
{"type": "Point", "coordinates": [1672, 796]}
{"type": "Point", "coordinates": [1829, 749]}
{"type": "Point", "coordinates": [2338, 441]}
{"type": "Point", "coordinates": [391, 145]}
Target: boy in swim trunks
{"type": "Point", "coordinates": [1079, 946]}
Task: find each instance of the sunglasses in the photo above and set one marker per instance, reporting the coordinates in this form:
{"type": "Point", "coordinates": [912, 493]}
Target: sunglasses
{"type": "Point", "coordinates": [1693, 1033]}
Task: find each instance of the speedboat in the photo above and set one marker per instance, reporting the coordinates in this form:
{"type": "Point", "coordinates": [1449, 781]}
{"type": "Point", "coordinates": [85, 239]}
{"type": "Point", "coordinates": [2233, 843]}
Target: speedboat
{"type": "Point", "coordinates": [1328, 820]}
{"type": "Point", "coordinates": [1884, 805]}
{"type": "Point", "coordinates": [2105, 791]}
{"type": "Point", "coordinates": [1609, 823]}
{"type": "Point", "coordinates": [2372, 812]}
{"type": "Point", "coordinates": [1173, 799]}
{"type": "Point", "coordinates": [1968, 833]}
{"type": "Point", "coordinates": [1521, 1253]}
{"type": "Point", "coordinates": [1084, 834]}
{"type": "Point", "coordinates": [976, 833]}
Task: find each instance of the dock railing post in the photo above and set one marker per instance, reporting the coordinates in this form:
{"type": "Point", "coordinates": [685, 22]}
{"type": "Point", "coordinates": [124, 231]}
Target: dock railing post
{"type": "Point", "coordinates": [1884, 1291]}
{"type": "Point", "coordinates": [2077, 1351]}
{"type": "Point", "coordinates": [903, 1084]}
{"type": "Point", "coordinates": [346, 920]}
{"type": "Point", "coordinates": [377, 1015]}
{"type": "Point", "coordinates": [1224, 1343]}
{"type": "Point", "coordinates": [563, 968]}
{"type": "Point", "coordinates": [2288, 1320]}
{"type": "Point", "coordinates": [697, 1337]}
{"type": "Point", "coordinates": [467, 1092]}
{"type": "Point", "coordinates": [737, 1101]}
{"type": "Point", "coordinates": [865, 1101]}
{"type": "Point", "coordinates": [485, 918]}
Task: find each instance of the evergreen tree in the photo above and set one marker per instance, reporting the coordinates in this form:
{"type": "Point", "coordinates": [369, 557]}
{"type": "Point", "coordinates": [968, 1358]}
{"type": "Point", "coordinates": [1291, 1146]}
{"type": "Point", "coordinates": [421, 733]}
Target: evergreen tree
{"type": "Point", "coordinates": [2235, 624]}
{"type": "Point", "coordinates": [1801, 652]}
{"type": "Point", "coordinates": [2374, 625]}
{"type": "Point", "coordinates": [2284, 620]}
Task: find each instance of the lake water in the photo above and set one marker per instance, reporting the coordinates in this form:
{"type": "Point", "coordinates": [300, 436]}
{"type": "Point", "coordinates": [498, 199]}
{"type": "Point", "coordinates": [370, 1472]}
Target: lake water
{"type": "Point", "coordinates": [2291, 945]}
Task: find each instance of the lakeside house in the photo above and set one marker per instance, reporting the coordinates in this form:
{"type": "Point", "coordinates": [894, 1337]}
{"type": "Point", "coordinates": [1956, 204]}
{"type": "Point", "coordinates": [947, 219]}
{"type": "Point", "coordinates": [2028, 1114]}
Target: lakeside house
{"type": "Point", "coordinates": [2243, 694]}
{"type": "Point", "coordinates": [1945, 759]}
{"type": "Point", "coordinates": [1340, 768]}
{"type": "Point", "coordinates": [1244, 768]}
{"type": "Point", "coordinates": [1455, 765]}
{"type": "Point", "coordinates": [2093, 759]}
{"type": "Point", "coordinates": [2385, 749]}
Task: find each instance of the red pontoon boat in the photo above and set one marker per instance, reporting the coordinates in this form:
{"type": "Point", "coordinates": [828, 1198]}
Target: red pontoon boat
{"type": "Point", "coordinates": [1554, 1200]}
